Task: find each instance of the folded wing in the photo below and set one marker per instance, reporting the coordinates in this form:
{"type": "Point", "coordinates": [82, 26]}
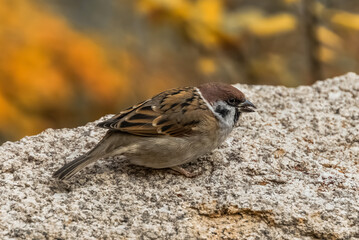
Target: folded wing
{"type": "Point", "coordinates": [176, 112]}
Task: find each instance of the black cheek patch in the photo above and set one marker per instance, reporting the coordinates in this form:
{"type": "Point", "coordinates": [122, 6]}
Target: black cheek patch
{"type": "Point", "coordinates": [236, 116]}
{"type": "Point", "coordinates": [222, 111]}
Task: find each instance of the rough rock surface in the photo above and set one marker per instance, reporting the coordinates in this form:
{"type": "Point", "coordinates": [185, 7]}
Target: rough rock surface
{"type": "Point", "coordinates": [290, 171]}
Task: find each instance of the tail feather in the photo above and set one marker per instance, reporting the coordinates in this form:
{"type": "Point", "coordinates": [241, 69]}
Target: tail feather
{"type": "Point", "coordinates": [73, 167]}
{"type": "Point", "coordinates": [102, 149]}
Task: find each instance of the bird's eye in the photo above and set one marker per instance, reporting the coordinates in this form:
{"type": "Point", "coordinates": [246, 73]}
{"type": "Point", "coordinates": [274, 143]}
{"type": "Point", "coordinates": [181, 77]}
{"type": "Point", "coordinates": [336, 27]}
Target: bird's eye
{"type": "Point", "coordinates": [232, 101]}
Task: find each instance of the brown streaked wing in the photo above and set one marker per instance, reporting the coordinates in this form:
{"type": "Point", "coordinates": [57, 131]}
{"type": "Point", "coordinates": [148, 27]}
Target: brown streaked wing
{"type": "Point", "coordinates": [112, 122]}
{"type": "Point", "coordinates": [175, 112]}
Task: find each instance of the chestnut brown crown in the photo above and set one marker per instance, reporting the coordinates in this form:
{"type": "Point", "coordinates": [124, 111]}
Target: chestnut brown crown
{"type": "Point", "coordinates": [214, 92]}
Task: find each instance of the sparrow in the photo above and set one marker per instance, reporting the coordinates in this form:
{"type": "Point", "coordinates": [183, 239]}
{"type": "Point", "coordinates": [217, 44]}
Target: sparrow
{"type": "Point", "coordinates": [170, 129]}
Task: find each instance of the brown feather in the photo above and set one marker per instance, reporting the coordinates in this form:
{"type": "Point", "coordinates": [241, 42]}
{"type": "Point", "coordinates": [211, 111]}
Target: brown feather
{"type": "Point", "coordinates": [176, 112]}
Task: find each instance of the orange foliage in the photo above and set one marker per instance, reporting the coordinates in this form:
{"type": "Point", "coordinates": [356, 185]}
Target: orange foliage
{"type": "Point", "coordinates": [52, 75]}
{"type": "Point", "coordinates": [46, 66]}
{"type": "Point", "coordinates": [346, 19]}
{"type": "Point", "coordinates": [207, 66]}
{"type": "Point", "coordinates": [202, 18]}
{"type": "Point", "coordinates": [209, 23]}
{"type": "Point", "coordinates": [269, 26]}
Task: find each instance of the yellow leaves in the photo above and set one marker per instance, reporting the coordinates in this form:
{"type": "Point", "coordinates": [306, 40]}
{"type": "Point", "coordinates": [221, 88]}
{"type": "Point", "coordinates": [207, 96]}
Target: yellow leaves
{"type": "Point", "coordinates": [272, 25]}
{"type": "Point", "coordinates": [326, 54]}
{"type": "Point", "coordinates": [328, 37]}
{"type": "Point", "coordinates": [290, 2]}
{"type": "Point", "coordinates": [34, 78]}
{"type": "Point", "coordinates": [330, 41]}
{"type": "Point", "coordinates": [240, 20]}
{"type": "Point", "coordinates": [205, 21]}
{"type": "Point", "coordinates": [346, 19]}
{"type": "Point", "coordinates": [202, 18]}
{"type": "Point", "coordinates": [257, 23]}
{"type": "Point", "coordinates": [46, 66]}
{"type": "Point", "coordinates": [178, 8]}
{"type": "Point", "coordinates": [49, 69]}
{"type": "Point", "coordinates": [15, 123]}
{"type": "Point", "coordinates": [207, 66]}
{"type": "Point", "coordinates": [101, 81]}
{"type": "Point", "coordinates": [6, 110]}
{"type": "Point", "coordinates": [208, 12]}
{"type": "Point", "coordinates": [273, 66]}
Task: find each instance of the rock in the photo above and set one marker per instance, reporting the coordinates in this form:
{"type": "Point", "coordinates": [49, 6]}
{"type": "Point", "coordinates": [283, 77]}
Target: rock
{"type": "Point", "coordinates": [289, 171]}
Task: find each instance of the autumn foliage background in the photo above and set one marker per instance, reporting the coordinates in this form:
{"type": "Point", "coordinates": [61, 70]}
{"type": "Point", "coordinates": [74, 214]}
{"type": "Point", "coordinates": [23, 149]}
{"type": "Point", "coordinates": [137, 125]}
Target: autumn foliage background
{"type": "Point", "coordinates": [64, 63]}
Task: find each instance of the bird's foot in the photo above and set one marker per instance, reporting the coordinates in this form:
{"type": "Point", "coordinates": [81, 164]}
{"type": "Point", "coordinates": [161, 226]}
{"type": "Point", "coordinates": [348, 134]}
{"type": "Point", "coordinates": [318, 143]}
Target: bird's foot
{"type": "Point", "coordinates": [186, 173]}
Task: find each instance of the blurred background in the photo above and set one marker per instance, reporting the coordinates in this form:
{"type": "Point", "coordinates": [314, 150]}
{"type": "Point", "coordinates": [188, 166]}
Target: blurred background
{"type": "Point", "coordinates": [64, 63]}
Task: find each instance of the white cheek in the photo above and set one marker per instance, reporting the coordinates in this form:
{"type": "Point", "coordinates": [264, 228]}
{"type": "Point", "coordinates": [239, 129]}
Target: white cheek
{"type": "Point", "coordinates": [229, 120]}
{"type": "Point", "coordinates": [227, 117]}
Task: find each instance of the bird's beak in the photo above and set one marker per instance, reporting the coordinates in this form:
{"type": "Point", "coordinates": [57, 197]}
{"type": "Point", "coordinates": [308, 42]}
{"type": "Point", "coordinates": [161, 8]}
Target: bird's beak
{"type": "Point", "coordinates": [246, 106]}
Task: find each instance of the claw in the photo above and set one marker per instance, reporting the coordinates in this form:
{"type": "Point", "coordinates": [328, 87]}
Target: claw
{"type": "Point", "coordinates": [185, 172]}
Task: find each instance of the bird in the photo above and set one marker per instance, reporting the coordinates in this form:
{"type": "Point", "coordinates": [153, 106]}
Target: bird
{"type": "Point", "coordinates": [168, 130]}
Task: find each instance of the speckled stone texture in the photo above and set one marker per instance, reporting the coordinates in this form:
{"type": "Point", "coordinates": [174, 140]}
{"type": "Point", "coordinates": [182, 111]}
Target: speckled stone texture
{"type": "Point", "coordinates": [290, 171]}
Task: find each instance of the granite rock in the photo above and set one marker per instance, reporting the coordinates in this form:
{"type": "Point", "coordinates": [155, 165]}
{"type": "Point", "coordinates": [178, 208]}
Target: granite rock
{"type": "Point", "coordinates": [289, 171]}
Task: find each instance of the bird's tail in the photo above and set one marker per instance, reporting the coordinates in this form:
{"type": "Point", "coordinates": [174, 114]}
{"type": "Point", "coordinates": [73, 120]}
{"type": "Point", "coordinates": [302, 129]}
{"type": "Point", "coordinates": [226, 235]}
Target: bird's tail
{"type": "Point", "coordinates": [71, 168]}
